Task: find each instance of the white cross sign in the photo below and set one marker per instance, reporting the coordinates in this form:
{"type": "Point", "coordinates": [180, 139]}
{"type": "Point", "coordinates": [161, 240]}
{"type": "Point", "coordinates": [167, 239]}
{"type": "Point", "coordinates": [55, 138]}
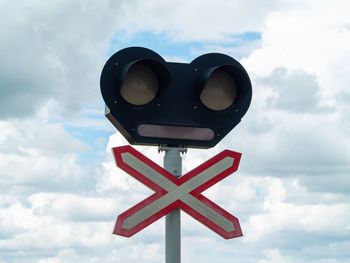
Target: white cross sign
{"type": "Point", "coordinates": [172, 192]}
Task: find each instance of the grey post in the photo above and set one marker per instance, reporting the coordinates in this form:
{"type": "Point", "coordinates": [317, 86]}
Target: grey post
{"type": "Point", "coordinates": [173, 164]}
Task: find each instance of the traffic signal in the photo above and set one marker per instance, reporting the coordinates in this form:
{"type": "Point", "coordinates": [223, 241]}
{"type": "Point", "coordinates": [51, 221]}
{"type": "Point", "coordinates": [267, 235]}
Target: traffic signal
{"type": "Point", "coordinates": [154, 102]}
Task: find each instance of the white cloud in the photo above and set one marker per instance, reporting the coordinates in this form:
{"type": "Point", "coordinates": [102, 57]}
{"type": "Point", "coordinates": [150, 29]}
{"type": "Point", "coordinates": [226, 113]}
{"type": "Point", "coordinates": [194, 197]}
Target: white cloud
{"type": "Point", "coordinates": [313, 39]}
{"type": "Point", "coordinates": [198, 20]}
{"type": "Point", "coordinates": [71, 207]}
{"type": "Point", "coordinates": [46, 232]}
{"type": "Point", "coordinates": [309, 218]}
{"type": "Point", "coordinates": [38, 155]}
{"type": "Point", "coordinates": [294, 91]}
{"type": "Point", "coordinates": [274, 256]}
{"type": "Point", "coordinates": [60, 54]}
{"type": "Point", "coordinates": [35, 137]}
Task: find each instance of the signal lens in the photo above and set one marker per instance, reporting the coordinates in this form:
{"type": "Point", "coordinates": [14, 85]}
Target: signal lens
{"type": "Point", "coordinates": [140, 85]}
{"type": "Point", "coordinates": [219, 92]}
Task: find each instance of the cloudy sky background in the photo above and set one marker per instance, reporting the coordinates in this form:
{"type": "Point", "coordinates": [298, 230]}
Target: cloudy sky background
{"type": "Point", "coordinates": [60, 191]}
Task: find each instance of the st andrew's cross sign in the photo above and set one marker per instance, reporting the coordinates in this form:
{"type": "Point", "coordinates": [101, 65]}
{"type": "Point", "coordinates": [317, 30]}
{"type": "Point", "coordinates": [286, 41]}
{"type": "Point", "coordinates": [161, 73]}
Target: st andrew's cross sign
{"type": "Point", "coordinates": [172, 192]}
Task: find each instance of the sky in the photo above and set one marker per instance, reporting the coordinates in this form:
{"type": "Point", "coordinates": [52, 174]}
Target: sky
{"type": "Point", "coordinates": [60, 190]}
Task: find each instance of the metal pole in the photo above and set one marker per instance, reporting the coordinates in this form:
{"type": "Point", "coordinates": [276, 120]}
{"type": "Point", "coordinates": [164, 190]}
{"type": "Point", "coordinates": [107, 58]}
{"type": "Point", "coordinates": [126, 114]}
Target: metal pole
{"type": "Point", "coordinates": [173, 164]}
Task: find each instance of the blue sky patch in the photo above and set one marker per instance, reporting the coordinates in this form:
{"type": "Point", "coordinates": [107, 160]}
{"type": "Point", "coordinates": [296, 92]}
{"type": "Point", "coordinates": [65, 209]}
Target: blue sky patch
{"type": "Point", "coordinates": [166, 47]}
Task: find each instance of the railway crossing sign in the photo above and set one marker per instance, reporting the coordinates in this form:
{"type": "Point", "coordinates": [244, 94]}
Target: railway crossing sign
{"type": "Point", "coordinates": [172, 192]}
{"type": "Point", "coordinates": [141, 91]}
